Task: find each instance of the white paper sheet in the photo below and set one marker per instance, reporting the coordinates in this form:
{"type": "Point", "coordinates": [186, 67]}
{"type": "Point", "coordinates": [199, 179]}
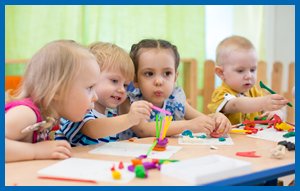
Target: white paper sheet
{"type": "Point", "coordinates": [206, 169]}
{"type": "Point", "coordinates": [134, 150]}
{"type": "Point", "coordinates": [184, 140]}
{"type": "Point", "coordinates": [272, 134]}
{"type": "Point", "coordinates": [86, 169]}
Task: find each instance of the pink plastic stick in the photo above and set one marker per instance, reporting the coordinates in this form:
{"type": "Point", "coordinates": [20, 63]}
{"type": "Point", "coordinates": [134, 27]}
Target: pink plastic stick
{"type": "Point", "coordinates": [160, 110]}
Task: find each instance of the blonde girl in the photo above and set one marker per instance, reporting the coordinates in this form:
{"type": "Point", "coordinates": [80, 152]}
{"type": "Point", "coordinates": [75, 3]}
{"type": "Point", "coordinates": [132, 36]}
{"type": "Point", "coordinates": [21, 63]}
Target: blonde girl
{"type": "Point", "coordinates": [58, 82]}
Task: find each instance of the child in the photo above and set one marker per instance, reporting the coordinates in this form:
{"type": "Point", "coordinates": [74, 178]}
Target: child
{"type": "Point", "coordinates": [58, 82]}
{"type": "Point", "coordinates": [117, 71]}
{"type": "Point", "coordinates": [237, 97]}
{"type": "Point", "coordinates": [156, 63]}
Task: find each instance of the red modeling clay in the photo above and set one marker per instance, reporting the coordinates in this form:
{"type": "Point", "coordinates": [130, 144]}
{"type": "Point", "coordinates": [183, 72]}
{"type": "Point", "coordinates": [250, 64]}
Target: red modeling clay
{"type": "Point", "coordinates": [121, 165]}
{"type": "Point", "coordinates": [113, 168]}
{"type": "Point", "coordinates": [215, 134]}
{"type": "Point", "coordinates": [247, 154]}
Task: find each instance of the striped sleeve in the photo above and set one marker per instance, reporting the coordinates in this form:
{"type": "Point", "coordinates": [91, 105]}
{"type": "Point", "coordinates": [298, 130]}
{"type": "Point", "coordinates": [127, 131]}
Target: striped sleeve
{"type": "Point", "coordinates": [70, 131]}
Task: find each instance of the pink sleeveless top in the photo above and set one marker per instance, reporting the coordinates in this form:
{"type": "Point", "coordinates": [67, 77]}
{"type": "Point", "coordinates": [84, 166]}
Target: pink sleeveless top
{"type": "Point", "coordinates": [29, 103]}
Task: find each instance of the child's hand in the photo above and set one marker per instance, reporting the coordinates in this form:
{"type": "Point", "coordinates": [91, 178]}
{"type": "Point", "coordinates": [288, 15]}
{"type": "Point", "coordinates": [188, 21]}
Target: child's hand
{"type": "Point", "coordinates": [201, 124]}
{"type": "Point", "coordinates": [270, 114]}
{"type": "Point", "coordinates": [52, 150]}
{"type": "Point", "coordinates": [139, 111]}
{"type": "Point", "coordinates": [222, 124]}
{"type": "Point", "coordinates": [274, 102]}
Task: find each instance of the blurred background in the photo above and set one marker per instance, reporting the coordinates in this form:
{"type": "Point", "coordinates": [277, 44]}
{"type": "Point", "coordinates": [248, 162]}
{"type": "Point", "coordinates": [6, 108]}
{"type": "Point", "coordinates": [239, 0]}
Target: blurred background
{"type": "Point", "coordinates": [195, 30]}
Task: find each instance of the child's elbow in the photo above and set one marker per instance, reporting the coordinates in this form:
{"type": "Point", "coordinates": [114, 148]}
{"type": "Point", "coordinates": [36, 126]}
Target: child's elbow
{"type": "Point", "coordinates": [230, 107]}
{"type": "Point", "coordinates": [90, 134]}
{"type": "Point", "coordinates": [141, 133]}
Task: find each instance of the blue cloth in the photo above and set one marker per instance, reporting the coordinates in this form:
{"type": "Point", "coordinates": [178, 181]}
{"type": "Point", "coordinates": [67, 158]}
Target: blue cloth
{"type": "Point", "coordinates": [175, 104]}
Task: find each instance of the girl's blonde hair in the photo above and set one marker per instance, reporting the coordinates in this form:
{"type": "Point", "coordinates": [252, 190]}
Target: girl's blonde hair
{"type": "Point", "coordinates": [50, 72]}
{"type": "Point", "coordinates": [230, 44]}
{"type": "Point", "coordinates": [113, 58]}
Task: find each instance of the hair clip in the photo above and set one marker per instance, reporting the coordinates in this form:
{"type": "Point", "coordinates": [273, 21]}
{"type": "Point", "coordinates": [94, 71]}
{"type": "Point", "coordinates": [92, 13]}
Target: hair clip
{"type": "Point", "coordinates": [49, 122]}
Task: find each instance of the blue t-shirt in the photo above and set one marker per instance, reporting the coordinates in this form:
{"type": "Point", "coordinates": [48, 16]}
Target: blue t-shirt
{"type": "Point", "coordinates": [70, 131]}
{"type": "Point", "coordinates": [175, 103]}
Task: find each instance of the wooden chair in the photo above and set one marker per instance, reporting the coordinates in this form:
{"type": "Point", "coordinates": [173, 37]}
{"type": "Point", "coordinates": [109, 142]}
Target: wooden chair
{"type": "Point", "coordinates": [190, 84]}
{"type": "Point", "coordinates": [12, 82]}
{"type": "Point", "coordinates": [289, 94]}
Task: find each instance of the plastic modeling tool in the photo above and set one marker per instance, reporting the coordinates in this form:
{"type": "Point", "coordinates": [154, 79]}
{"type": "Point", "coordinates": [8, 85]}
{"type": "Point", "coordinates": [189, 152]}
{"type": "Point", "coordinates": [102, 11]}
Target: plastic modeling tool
{"type": "Point", "coordinates": [161, 110]}
{"type": "Point", "coordinates": [262, 85]}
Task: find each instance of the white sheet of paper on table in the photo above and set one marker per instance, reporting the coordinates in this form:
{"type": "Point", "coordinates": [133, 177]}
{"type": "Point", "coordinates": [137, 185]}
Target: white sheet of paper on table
{"type": "Point", "coordinates": [133, 150]}
{"type": "Point", "coordinates": [87, 169]}
{"type": "Point", "coordinates": [272, 134]}
{"type": "Point", "coordinates": [206, 169]}
{"type": "Point", "coordinates": [204, 141]}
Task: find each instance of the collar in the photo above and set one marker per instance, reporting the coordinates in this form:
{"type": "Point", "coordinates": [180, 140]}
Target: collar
{"type": "Point", "coordinates": [235, 93]}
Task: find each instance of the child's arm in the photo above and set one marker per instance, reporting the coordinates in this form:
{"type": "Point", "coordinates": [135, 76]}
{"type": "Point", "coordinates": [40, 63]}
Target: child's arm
{"type": "Point", "coordinates": [249, 105]}
{"type": "Point", "coordinates": [196, 122]}
{"type": "Point", "coordinates": [18, 145]}
{"type": "Point", "coordinates": [17, 119]}
{"type": "Point", "coordinates": [212, 122]}
{"type": "Point", "coordinates": [19, 151]}
{"type": "Point", "coordinates": [191, 113]}
{"type": "Point", "coordinates": [201, 124]}
{"type": "Point", "coordinates": [222, 123]}
{"type": "Point", "coordinates": [102, 127]}
{"type": "Point", "coordinates": [196, 125]}
{"type": "Point", "coordinates": [270, 114]}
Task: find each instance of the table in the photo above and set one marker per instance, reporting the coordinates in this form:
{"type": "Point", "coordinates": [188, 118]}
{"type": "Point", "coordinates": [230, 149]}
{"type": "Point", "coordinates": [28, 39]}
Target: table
{"type": "Point", "coordinates": [264, 168]}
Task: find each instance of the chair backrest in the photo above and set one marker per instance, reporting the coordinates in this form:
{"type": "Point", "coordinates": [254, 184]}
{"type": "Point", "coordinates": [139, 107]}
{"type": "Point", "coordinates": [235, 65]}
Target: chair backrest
{"type": "Point", "coordinates": [208, 84]}
{"type": "Point", "coordinates": [190, 80]}
{"type": "Point", "coordinates": [192, 91]}
{"type": "Point", "coordinates": [289, 93]}
{"type": "Point", "coordinates": [12, 82]}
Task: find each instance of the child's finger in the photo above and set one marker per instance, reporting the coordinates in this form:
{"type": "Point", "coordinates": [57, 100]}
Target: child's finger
{"type": "Point", "coordinates": [222, 127]}
{"type": "Point", "coordinates": [277, 97]}
{"type": "Point", "coordinates": [147, 107]}
{"type": "Point", "coordinates": [207, 130]}
{"type": "Point", "coordinates": [263, 115]}
{"type": "Point", "coordinates": [59, 155]}
{"type": "Point", "coordinates": [215, 134]}
{"type": "Point", "coordinates": [211, 122]}
{"type": "Point", "coordinates": [64, 144]}
{"type": "Point", "coordinates": [227, 127]}
{"type": "Point", "coordinates": [147, 104]}
{"type": "Point", "coordinates": [64, 150]}
{"type": "Point", "coordinates": [143, 110]}
{"type": "Point", "coordinates": [146, 115]}
{"type": "Point", "coordinates": [218, 121]}
{"type": "Point", "coordinates": [270, 116]}
{"type": "Point", "coordinates": [280, 102]}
